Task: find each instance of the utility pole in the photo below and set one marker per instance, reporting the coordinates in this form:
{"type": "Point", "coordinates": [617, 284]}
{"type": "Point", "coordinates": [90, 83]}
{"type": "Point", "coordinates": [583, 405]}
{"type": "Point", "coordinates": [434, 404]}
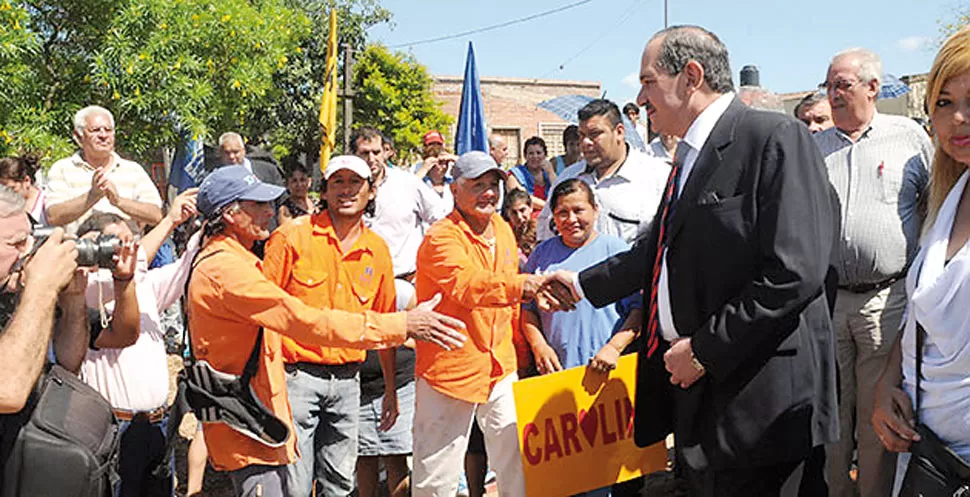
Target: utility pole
{"type": "Point", "coordinates": [348, 94]}
{"type": "Point", "coordinates": [665, 14]}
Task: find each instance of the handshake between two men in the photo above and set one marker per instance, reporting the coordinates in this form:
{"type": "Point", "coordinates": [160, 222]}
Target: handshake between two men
{"type": "Point", "coordinates": [560, 291]}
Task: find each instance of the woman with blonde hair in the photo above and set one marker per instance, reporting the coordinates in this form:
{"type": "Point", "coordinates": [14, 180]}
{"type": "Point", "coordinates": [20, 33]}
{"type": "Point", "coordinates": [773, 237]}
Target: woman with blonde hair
{"type": "Point", "coordinates": [937, 327]}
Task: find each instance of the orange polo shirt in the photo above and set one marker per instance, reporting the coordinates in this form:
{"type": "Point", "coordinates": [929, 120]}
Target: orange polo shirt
{"type": "Point", "coordinates": [481, 288]}
{"type": "Point", "coordinates": [304, 258]}
{"type": "Point", "coordinates": [228, 300]}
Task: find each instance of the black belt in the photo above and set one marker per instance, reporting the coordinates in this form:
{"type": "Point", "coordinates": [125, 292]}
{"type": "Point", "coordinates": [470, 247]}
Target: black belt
{"type": "Point", "coordinates": [871, 287]}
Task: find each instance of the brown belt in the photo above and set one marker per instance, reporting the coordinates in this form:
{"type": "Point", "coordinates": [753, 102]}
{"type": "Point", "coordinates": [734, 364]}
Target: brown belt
{"type": "Point", "coordinates": [153, 416]}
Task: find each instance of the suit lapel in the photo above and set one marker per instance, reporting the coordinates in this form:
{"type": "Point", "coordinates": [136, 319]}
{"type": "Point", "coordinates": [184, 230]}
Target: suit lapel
{"type": "Point", "coordinates": [708, 159]}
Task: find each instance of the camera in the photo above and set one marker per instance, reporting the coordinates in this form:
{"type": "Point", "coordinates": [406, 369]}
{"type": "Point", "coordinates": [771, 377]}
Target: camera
{"type": "Point", "coordinates": [97, 252]}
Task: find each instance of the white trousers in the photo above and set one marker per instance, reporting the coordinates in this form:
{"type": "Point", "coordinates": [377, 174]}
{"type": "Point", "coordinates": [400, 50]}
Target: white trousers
{"type": "Point", "coordinates": [442, 426]}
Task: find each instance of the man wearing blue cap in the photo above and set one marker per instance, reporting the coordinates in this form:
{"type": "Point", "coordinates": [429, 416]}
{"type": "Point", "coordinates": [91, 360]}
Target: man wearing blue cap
{"type": "Point", "coordinates": [230, 305]}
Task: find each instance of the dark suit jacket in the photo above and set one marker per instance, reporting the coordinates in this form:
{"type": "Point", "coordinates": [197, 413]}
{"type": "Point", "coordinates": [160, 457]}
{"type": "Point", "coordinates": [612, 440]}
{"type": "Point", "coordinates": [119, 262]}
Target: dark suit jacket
{"type": "Point", "coordinates": [749, 244]}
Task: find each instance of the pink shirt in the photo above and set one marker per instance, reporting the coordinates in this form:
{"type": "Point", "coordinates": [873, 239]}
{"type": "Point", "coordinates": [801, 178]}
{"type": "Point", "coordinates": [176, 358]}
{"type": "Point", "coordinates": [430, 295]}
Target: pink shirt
{"type": "Point", "coordinates": [135, 378]}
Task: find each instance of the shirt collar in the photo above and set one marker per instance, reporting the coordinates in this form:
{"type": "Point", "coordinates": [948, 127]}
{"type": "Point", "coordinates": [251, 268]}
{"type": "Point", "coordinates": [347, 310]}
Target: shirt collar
{"type": "Point", "coordinates": [875, 122]}
{"type": "Point", "coordinates": [230, 244]}
{"type": "Point", "coordinates": [323, 226]}
{"type": "Point", "coordinates": [700, 130]}
{"type": "Point", "coordinates": [80, 162]}
{"type": "Point", "coordinates": [463, 225]}
{"type": "Point", "coordinates": [623, 171]}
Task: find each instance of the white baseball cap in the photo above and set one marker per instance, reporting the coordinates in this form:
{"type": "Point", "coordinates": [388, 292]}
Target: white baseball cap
{"type": "Point", "coordinates": [352, 162]}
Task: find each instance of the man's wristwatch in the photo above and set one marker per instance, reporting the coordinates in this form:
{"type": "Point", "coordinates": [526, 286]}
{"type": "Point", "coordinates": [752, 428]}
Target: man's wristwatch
{"type": "Point", "coordinates": [697, 364]}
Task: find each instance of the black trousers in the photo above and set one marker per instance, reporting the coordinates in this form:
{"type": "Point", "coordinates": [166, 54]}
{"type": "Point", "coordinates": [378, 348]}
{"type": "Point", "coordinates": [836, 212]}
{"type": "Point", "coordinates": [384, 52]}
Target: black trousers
{"type": "Point", "coordinates": [803, 478]}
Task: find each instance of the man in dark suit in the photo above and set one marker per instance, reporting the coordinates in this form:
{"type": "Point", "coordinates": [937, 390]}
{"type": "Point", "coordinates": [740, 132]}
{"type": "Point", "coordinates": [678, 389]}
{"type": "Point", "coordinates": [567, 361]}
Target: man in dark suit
{"type": "Point", "coordinates": [736, 351]}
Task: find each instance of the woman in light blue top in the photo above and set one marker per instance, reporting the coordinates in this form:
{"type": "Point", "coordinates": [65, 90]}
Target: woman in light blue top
{"type": "Point", "coordinates": [568, 339]}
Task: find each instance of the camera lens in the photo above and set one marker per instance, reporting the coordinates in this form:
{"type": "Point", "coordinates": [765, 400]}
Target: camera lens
{"type": "Point", "coordinates": [98, 252]}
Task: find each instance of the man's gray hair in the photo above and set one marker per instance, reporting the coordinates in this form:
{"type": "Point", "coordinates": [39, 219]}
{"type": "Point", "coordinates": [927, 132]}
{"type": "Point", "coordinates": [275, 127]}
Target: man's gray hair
{"type": "Point", "coordinates": [681, 44]}
{"type": "Point", "coordinates": [230, 135]}
{"type": "Point", "coordinates": [81, 117]}
{"type": "Point", "coordinates": [11, 202]}
{"type": "Point", "coordinates": [870, 65]}
{"type": "Point", "coordinates": [494, 140]}
{"type": "Point", "coordinates": [809, 101]}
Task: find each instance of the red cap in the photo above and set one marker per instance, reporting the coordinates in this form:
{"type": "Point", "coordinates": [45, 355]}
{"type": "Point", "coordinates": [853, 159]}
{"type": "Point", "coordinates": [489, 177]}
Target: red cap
{"type": "Point", "coordinates": [433, 137]}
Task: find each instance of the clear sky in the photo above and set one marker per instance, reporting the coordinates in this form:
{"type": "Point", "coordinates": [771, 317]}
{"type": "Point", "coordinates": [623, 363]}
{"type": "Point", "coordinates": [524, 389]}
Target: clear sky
{"type": "Point", "coordinates": [790, 41]}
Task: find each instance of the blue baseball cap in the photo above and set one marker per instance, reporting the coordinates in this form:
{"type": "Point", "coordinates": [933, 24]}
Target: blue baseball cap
{"type": "Point", "coordinates": [231, 183]}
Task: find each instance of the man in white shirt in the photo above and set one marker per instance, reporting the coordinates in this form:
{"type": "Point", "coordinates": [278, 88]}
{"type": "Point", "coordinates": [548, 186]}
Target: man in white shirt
{"type": "Point", "coordinates": [134, 377]}
{"type": "Point", "coordinates": [628, 183]}
{"type": "Point", "coordinates": [404, 203]}
{"type": "Point", "coordinates": [96, 179]}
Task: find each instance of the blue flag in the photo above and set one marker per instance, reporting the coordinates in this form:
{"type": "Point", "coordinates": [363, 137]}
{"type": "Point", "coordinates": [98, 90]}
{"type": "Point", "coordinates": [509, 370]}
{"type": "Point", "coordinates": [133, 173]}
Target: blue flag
{"type": "Point", "coordinates": [188, 167]}
{"type": "Point", "coordinates": [472, 132]}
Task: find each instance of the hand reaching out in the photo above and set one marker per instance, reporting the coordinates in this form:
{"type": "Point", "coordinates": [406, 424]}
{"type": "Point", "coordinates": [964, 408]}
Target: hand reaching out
{"type": "Point", "coordinates": [423, 323]}
{"type": "Point", "coordinates": [183, 207]}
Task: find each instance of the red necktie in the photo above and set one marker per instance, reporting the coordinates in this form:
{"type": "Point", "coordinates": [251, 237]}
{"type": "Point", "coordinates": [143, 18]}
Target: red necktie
{"type": "Point", "coordinates": [670, 197]}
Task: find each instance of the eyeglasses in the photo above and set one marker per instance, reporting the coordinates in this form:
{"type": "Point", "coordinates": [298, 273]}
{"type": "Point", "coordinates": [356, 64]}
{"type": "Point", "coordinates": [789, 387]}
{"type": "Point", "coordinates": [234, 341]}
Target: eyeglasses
{"type": "Point", "coordinates": [840, 85]}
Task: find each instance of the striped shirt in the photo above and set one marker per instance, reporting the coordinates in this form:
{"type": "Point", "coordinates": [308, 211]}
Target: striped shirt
{"type": "Point", "coordinates": [879, 180]}
{"type": "Point", "coordinates": [70, 178]}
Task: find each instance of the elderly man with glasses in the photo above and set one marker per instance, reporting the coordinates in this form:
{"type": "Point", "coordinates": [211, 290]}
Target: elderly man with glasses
{"type": "Point", "coordinates": [96, 178]}
{"type": "Point", "coordinates": [878, 166]}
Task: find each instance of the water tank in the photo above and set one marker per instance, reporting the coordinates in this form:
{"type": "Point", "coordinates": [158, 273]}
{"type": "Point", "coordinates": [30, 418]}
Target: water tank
{"type": "Point", "coordinates": [749, 76]}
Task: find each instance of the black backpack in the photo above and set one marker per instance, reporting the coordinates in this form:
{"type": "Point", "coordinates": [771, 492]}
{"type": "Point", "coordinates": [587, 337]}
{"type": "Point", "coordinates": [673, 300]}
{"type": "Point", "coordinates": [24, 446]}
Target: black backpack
{"type": "Point", "coordinates": [64, 442]}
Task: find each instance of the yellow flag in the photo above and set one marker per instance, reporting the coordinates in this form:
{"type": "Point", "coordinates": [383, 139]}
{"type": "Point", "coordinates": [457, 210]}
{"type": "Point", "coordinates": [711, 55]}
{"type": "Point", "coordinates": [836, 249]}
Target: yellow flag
{"type": "Point", "coordinates": [328, 105]}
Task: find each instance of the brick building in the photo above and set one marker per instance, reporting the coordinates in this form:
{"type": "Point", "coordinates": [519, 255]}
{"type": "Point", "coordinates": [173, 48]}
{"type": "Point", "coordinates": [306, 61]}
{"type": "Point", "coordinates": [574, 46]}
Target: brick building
{"type": "Point", "coordinates": [511, 108]}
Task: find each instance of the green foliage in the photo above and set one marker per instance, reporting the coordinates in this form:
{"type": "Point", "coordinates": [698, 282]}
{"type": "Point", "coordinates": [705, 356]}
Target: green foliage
{"type": "Point", "coordinates": [197, 65]}
{"type": "Point", "coordinates": [292, 121]}
{"type": "Point", "coordinates": [203, 66]}
{"type": "Point", "coordinates": [394, 94]}
{"type": "Point", "coordinates": [25, 122]}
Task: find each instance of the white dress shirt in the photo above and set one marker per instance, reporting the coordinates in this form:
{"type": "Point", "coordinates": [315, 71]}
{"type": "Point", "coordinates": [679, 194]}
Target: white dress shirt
{"type": "Point", "coordinates": [627, 199]}
{"type": "Point", "coordinates": [695, 138]}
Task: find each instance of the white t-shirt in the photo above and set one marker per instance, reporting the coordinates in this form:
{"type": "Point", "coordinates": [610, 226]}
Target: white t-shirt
{"type": "Point", "coordinates": [404, 204]}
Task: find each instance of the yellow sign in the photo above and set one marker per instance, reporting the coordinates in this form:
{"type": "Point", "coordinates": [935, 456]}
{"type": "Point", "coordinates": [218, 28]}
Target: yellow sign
{"type": "Point", "coordinates": [576, 431]}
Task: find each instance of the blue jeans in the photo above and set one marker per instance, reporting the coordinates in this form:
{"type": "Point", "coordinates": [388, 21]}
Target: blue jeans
{"type": "Point", "coordinates": [142, 449]}
{"type": "Point", "coordinates": [326, 405]}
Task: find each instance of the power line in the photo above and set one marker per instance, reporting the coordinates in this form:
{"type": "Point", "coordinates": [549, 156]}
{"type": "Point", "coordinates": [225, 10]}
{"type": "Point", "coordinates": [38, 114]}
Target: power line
{"type": "Point", "coordinates": [496, 26]}
{"type": "Point", "coordinates": [583, 50]}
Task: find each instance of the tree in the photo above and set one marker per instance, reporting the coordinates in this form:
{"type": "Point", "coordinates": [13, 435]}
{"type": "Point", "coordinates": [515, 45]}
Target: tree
{"type": "Point", "coordinates": [194, 65]}
{"type": "Point", "coordinates": [292, 123]}
{"type": "Point", "coordinates": [394, 94]}
{"type": "Point", "coordinates": [961, 18]}
{"type": "Point", "coordinates": [163, 67]}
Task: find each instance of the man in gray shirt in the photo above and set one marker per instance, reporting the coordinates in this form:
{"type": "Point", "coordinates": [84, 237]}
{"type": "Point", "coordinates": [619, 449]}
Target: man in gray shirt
{"type": "Point", "coordinates": [878, 165]}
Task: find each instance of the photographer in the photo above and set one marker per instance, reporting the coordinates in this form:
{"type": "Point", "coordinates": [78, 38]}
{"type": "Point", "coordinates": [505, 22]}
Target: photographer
{"type": "Point", "coordinates": [27, 300]}
{"type": "Point", "coordinates": [133, 375]}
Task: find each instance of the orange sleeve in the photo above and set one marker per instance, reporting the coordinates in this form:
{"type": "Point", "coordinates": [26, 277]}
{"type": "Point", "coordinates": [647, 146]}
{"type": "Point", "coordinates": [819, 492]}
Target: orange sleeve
{"type": "Point", "coordinates": [277, 259]}
{"type": "Point", "coordinates": [443, 257]}
{"type": "Point", "coordinates": [245, 292]}
{"type": "Point", "coordinates": [386, 299]}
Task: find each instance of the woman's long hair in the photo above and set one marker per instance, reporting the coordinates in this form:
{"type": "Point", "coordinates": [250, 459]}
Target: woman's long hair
{"type": "Point", "coordinates": [952, 60]}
